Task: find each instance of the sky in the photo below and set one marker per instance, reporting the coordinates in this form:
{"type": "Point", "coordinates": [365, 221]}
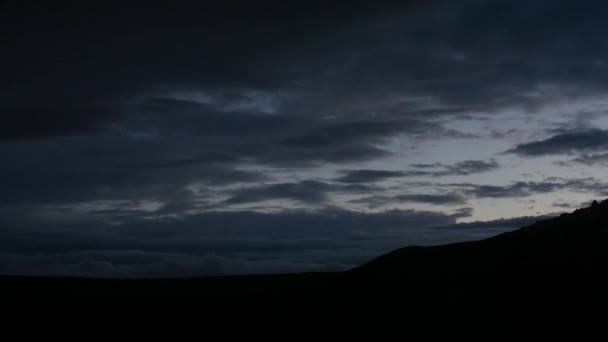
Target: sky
{"type": "Point", "coordinates": [183, 139]}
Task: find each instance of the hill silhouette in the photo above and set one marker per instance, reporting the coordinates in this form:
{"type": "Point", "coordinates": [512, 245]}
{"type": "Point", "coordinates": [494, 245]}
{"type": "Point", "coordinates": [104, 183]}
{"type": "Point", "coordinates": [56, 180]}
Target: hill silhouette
{"type": "Point", "coordinates": [572, 242]}
{"type": "Point", "coordinates": [543, 280]}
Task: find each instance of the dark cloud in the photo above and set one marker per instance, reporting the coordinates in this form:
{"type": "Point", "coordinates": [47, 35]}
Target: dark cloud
{"type": "Point", "coordinates": [366, 55]}
{"type": "Point", "coordinates": [89, 61]}
{"type": "Point", "coordinates": [565, 143]}
{"type": "Point", "coordinates": [368, 176]}
{"type": "Point", "coordinates": [500, 224]}
{"type": "Point", "coordinates": [311, 192]}
{"type": "Point", "coordinates": [116, 167]}
{"type": "Point", "coordinates": [345, 133]}
{"type": "Point", "coordinates": [434, 199]}
{"type": "Point", "coordinates": [437, 199]}
{"type": "Point", "coordinates": [136, 54]}
{"type": "Point", "coordinates": [469, 167]}
{"type": "Point", "coordinates": [426, 166]}
{"type": "Point", "coordinates": [261, 137]}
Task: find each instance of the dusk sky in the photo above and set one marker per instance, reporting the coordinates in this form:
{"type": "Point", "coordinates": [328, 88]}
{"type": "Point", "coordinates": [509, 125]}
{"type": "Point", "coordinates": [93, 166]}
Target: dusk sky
{"type": "Point", "coordinates": [191, 140]}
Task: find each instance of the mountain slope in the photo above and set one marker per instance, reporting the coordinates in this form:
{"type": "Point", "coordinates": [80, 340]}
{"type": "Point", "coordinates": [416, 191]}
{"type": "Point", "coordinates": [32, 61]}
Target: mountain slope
{"type": "Point", "coordinates": [578, 239]}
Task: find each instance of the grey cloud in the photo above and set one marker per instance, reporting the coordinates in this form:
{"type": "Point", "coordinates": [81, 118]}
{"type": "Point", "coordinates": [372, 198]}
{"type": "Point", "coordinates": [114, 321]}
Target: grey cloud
{"type": "Point", "coordinates": [517, 189]}
{"type": "Point", "coordinates": [464, 168]}
{"type": "Point", "coordinates": [463, 212]}
{"type": "Point", "coordinates": [524, 189]}
{"type": "Point", "coordinates": [587, 159]}
{"type": "Point", "coordinates": [563, 205]}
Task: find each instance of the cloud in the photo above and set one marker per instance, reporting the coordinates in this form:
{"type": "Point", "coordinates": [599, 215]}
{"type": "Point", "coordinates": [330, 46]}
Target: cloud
{"type": "Point", "coordinates": [311, 192]}
{"type": "Point", "coordinates": [356, 60]}
{"type": "Point", "coordinates": [570, 206]}
{"type": "Point", "coordinates": [500, 224]}
{"type": "Point", "coordinates": [80, 169]}
{"type": "Point", "coordinates": [218, 243]}
{"type": "Point", "coordinates": [426, 166]}
{"type": "Point", "coordinates": [345, 133]}
{"type": "Point", "coordinates": [565, 143]}
{"type": "Point", "coordinates": [587, 159]}
{"type": "Point", "coordinates": [434, 199]}
{"type": "Point", "coordinates": [210, 243]}
{"type": "Point", "coordinates": [460, 193]}
{"type": "Point", "coordinates": [129, 264]}
{"type": "Point", "coordinates": [464, 168]}
{"type": "Point", "coordinates": [191, 49]}
{"type": "Point", "coordinates": [368, 176]}
{"type": "Point", "coordinates": [284, 139]}
{"type": "Point", "coordinates": [469, 167]}
{"type": "Point", "coordinates": [524, 189]}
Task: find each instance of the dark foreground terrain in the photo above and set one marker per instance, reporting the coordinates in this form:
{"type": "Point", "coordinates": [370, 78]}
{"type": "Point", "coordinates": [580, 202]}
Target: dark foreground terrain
{"type": "Point", "coordinates": [545, 281]}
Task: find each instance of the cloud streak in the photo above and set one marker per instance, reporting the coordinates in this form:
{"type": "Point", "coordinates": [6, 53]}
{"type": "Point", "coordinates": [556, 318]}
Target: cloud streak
{"type": "Point", "coordinates": [565, 143]}
{"type": "Point", "coordinates": [449, 199]}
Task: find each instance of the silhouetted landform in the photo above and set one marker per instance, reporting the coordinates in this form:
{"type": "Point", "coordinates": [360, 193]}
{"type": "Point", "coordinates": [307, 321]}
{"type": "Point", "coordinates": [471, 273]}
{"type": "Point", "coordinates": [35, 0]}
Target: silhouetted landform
{"type": "Point", "coordinates": [572, 242]}
{"type": "Point", "coordinates": [546, 280]}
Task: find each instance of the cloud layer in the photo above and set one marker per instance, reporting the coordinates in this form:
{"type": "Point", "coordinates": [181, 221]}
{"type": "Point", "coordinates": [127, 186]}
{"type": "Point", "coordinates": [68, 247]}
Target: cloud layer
{"type": "Point", "coordinates": [228, 138]}
{"type": "Point", "coordinates": [216, 243]}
